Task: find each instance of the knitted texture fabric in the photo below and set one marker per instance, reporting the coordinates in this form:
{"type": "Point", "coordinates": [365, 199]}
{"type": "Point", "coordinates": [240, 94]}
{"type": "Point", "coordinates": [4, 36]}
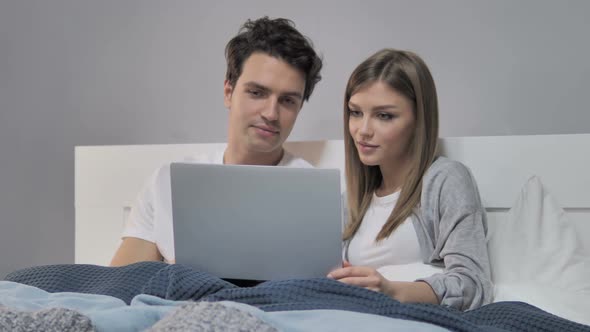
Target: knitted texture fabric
{"type": "Point", "coordinates": [179, 282]}
{"type": "Point", "coordinates": [48, 320]}
{"type": "Point", "coordinates": [205, 316]}
{"type": "Point", "coordinates": [121, 282]}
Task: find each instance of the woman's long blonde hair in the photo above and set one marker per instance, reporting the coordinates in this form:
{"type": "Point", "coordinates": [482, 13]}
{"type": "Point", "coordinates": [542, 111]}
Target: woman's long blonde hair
{"type": "Point", "coordinates": [407, 74]}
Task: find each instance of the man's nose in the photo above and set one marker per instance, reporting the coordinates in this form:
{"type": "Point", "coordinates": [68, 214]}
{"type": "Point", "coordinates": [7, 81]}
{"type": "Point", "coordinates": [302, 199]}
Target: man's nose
{"type": "Point", "coordinates": [271, 110]}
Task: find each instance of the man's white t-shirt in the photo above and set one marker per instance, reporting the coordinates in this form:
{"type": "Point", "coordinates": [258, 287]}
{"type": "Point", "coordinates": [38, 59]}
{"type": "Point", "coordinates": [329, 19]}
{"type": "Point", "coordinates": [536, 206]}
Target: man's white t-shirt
{"type": "Point", "coordinates": [150, 218]}
{"type": "Point", "coordinates": [398, 256]}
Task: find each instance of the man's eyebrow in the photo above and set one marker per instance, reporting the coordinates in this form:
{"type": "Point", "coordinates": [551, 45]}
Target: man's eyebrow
{"type": "Point", "coordinates": [293, 94]}
{"type": "Point", "coordinates": [258, 86]}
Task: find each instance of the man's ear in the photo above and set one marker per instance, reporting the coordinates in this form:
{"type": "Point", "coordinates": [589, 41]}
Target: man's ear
{"type": "Point", "coordinates": [228, 89]}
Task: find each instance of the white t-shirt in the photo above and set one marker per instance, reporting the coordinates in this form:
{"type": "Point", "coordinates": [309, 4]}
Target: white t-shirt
{"type": "Point", "coordinates": [150, 218]}
{"type": "Point", "coordinates": [398, 256]}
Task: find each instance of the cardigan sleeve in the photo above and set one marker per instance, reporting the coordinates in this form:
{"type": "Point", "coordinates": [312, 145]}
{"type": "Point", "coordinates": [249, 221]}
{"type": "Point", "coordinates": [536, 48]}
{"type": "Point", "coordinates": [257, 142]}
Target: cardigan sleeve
{"type": "Point", "coordinates": [456, 225]}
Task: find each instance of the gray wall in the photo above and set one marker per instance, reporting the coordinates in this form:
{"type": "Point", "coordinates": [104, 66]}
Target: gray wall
{"type": "Point", "coordinates": [136, 72]}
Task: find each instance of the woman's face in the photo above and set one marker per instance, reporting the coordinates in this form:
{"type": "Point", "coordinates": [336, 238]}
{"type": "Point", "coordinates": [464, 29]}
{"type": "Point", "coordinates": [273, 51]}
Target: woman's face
{"type": "Point", "coordinates": [381, 124]}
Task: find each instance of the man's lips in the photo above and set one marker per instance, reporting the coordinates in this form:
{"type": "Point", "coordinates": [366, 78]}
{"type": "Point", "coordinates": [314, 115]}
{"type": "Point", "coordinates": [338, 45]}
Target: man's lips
{"type": "Point", "coordinates": [267, 129]}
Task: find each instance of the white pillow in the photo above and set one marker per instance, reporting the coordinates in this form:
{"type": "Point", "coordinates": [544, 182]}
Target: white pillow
{"type": "Point", "coordinates": [536, 257]}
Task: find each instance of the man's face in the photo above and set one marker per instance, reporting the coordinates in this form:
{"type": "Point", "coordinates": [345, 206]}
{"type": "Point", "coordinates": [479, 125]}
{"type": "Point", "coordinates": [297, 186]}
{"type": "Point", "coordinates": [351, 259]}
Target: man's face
{"type": "Point", "coordinates": [263, 104]}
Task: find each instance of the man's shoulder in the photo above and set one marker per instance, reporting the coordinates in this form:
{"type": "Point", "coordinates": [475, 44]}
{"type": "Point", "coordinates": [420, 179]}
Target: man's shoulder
{"type": "Point", "coordinates": [162, 173]}
{"type": "Point", "coordinates": [214, 156]}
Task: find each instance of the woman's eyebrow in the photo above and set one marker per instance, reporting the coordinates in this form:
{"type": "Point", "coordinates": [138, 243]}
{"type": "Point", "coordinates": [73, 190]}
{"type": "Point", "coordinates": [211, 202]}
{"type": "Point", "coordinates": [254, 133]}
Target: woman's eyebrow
{"type": "Point", "coordinates": [376, 108]}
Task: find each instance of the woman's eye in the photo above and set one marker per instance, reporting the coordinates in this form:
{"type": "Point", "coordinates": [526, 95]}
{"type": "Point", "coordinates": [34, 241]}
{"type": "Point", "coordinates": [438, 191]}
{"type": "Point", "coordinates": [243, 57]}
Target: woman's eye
{"type": "Point", "coordinates": [385, 116]}
{"type": "Point", "coordinates": [355, 114]}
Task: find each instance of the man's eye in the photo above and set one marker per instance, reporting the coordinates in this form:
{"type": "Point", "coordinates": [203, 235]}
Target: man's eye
{"type": "Point", "coordinates": [254, 93]}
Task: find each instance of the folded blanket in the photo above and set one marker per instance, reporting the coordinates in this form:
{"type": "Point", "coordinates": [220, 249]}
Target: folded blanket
{"type": "Point", "coordinates": [178, 282]}
{"type": "Point", "coordinates": [204, 316]}
{"type": "Point", "coordinates": [122, 282]}
{"type": "Point", "coordinates": [322, 320]}
{"type": "Point", "coordinates": [49, 320]}
{"type": "Point", "coordinates": [107, 313]}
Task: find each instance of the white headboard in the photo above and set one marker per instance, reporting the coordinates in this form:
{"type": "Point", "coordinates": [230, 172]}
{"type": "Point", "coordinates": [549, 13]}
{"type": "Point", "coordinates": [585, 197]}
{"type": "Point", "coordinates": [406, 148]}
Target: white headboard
{"type": "Point", "coordinates": [108, 178]}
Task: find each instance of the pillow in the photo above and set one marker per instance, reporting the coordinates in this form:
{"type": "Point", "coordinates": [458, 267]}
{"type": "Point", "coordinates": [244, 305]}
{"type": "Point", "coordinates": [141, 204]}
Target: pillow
{"type": "Point", "coordinates": [536, 256]}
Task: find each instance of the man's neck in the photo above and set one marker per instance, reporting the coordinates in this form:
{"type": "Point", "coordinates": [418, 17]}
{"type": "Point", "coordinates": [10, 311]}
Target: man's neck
{"type": "Point", "coordinates": [233, 156]}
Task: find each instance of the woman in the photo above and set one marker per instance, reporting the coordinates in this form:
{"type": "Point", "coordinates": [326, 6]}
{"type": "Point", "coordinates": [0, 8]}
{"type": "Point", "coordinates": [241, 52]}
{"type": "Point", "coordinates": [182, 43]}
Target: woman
{"type": "Point", "coordinates": [405, 204]}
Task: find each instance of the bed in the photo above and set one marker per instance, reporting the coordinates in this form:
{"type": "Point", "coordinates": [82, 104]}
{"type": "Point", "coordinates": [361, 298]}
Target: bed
{"type": "Point", "coordinates": [535, 190]}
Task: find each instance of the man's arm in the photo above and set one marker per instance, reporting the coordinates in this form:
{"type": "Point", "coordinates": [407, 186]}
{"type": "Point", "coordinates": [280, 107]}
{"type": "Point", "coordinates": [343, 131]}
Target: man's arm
{"type": "Point", "coordinates": [133, 250]}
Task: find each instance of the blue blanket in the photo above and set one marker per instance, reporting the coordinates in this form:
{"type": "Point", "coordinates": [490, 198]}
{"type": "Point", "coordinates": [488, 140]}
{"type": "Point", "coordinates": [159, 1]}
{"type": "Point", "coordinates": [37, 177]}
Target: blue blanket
{"type": "Point", "coordinates": [178, 282]}
{"type": "Point", "coordinates": [107, 313]}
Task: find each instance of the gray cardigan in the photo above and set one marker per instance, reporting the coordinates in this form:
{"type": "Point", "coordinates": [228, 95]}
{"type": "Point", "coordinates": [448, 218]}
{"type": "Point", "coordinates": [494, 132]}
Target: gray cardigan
{"type": "Point", "coordinates": [451, 226]}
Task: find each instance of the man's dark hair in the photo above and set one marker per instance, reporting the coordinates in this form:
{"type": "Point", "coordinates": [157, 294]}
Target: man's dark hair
{"type": "Point", "coordinates": [277, 38]}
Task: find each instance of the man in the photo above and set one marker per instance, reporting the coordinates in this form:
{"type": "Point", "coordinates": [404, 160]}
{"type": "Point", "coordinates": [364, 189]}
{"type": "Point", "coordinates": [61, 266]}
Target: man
{"type": "Point", "coordinates": [271, 70]}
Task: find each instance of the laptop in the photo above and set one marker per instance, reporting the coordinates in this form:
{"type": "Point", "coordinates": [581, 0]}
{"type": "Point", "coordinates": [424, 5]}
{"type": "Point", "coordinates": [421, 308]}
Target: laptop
{"type": "Point", "coordinates": [256, 222]}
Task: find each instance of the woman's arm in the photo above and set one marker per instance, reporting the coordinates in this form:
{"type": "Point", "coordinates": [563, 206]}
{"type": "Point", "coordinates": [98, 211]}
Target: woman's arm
{"type": "Point", "coordinates": [453, 219]}
{"type": "Point", "coordinates": [412, 292]}
{"type": "Point", "coordinates": [368, 277]}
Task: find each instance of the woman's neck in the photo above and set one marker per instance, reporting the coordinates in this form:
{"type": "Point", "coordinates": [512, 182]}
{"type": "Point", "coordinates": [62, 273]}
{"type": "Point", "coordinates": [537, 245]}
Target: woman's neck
{"type": "Point", "coordinates": [394, 175]}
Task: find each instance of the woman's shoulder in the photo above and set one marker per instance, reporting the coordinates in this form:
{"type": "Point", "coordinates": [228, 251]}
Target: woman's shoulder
{"type": "Point", "coordinates": [452, 179]}
{"type": "Point", "coordinates": [443, 167]}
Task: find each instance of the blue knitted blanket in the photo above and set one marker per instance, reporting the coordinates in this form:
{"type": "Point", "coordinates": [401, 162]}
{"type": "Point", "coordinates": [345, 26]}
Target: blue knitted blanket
{"type": "Point", "coordinates": [178, 282]}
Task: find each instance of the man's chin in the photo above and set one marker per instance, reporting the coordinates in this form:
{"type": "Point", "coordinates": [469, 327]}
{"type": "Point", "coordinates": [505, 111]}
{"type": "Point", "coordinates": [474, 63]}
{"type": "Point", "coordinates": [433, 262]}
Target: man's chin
{"type": "Point", "coordinates": [265, 146]}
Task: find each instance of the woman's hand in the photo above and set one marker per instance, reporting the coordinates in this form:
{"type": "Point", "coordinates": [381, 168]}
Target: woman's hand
{"type": "Point", "coordinates": [362, 276]}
